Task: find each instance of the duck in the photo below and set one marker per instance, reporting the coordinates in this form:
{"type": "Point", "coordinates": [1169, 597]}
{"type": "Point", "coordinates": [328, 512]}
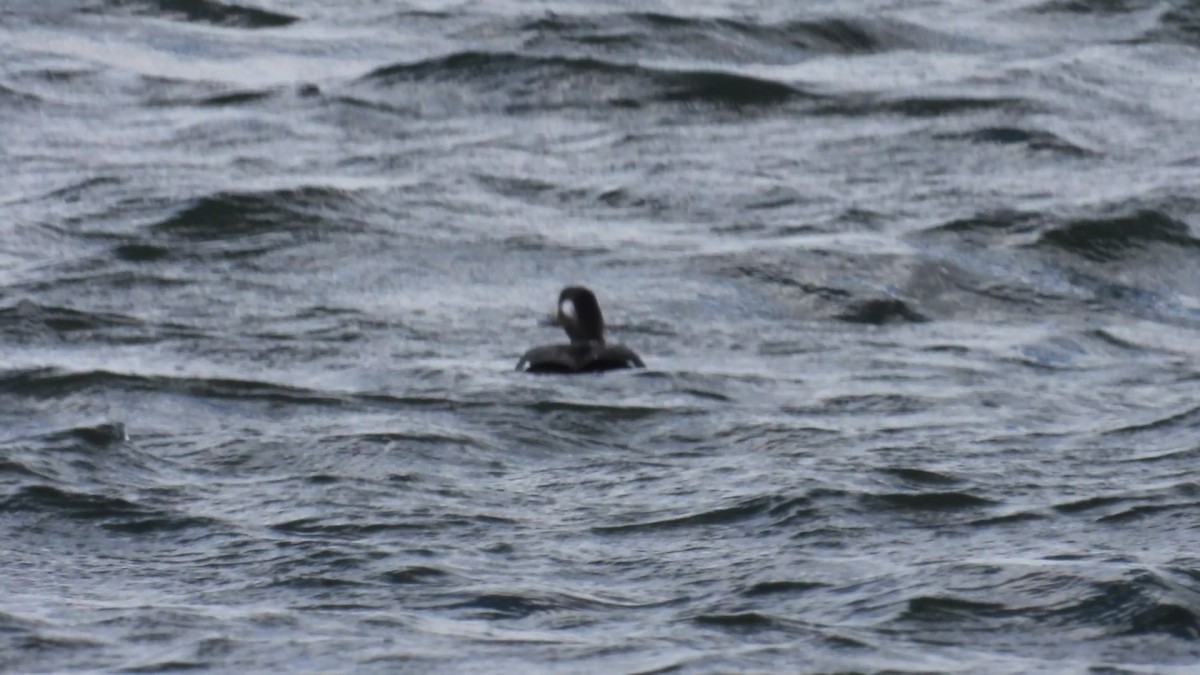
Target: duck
{"type": "Point", "coordinates": [578, 313]}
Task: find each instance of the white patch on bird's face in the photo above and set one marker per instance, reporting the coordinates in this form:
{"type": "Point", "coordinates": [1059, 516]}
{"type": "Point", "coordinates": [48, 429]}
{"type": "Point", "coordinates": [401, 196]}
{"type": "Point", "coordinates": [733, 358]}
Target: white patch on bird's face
{"type": "Point", "coordinates": [567, 309]}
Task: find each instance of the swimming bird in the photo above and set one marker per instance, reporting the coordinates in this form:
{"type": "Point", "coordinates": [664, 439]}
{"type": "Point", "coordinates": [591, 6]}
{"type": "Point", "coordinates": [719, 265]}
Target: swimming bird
{"type": "Point", "coordinates": [579, 314]}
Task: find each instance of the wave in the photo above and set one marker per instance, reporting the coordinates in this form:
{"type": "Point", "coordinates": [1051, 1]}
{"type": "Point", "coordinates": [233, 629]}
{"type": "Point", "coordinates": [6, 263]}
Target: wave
{"type": "Point", "coordinates": [966, 267]}
{"type": "Point", "coordinates": [721, 88]}
{"type": "Point", "coordinates": [185, 93]}
{"type": "Point", "coordinates": [508, 605]}
{"type": "Point", "coordinates": [606, 411]}
{"type": "Point", "coordinates": [418, 574]}
{"type": "Point", "coordinates": [920, 476]}
{"type": "Point", "coordinates": [881, 311]}
{"type": "Point", "coordinates": [1092, 7]}
{"type": "Point", "coordinates": [1166, 618]}
{"type": "Point", "coordinates": [55, 382]}
{"type": "Point", "coordinates": [842, 304]}
{"type": "Point", "coordinates": [942, 609]}
{"type": "Point", "coordinates": [860, 105]}
{"type": "Point", "coordinates": [99, 435]}
{"type": "Point", "coordinates": [890, 404]}
{"type": "Point", "coordinates": [84, 87]}
{"type": "Point", "coordinates": [204, 11]}
{"type": "Point", "coordinates": [928, 501]}
{"type": "Point", "coordinates": [528, 81]}
{"type": "Point", "coordinates": [1033, 139]}
{"type": "Point", "coordinates": [236, 98]}
{"type": "Point", "coordinates": [724, 38]}
{"type": "Point", "coordinates": [114, 513]}
{"type": "Point", "coordinates": [782, 588]}
{"type": "Point", "coordinates": [1087, 504]}
{"type": "Point", "coordinates": [235, 215]}
{"type": "Point", "coordinates": [1113, 238]}
{"type": "Point", "coordinates": [778, 275]}
{"type": "Point", "coordinates": [1015, 517]}
{"type": "Point", "coordinates": [319, 526]}
{"type": "Point", "coordinates": [15, 99]}
{"type": "Point", "coordinates": [1116, 509]}
{"type": "Point", "coordinates": [1154, 22]}
{"type": "Point", "coordinates": [739, 621]}
{"type": "Point", "coordinates": [11, 466]}
{"type": "Point", "coordinates": [440, 438]}
{"type": "Point", "coordinates": [239, 225]}
{"type": "Point", "coordinates": [517, 605]}
{"type": "Point", "coordinates": [28, 319]}
{"type": "Point", "coordinates": [85, 189]}
{"type": "Point", "coordinates": [521, 82]}
{"type": "Point", "coordinates": [990, 222]}
{"type": "Point", "coordinates": [1140, 605]}
{"type": "Point", "coordinates": [781, 510]}
{"type": "Point", "coordinates": [985, 260]}
{"type": "Point", "coordinates": [1142, 511]}
{"type": "Point", "coordinates": [68, 456]}
{"type": "Point", "coordinates": [1185, 420]}
{"type": "Point", "coordinates": [142, 252]}
{"type": "Point", "coordinates": [1180, 23]}
{"type": "Point", "coordinates": [37, 323]}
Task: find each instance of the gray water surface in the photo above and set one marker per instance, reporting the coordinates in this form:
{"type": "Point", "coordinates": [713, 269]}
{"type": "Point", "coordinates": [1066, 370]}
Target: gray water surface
{"type": "Point", "coordinates": [916, 283]}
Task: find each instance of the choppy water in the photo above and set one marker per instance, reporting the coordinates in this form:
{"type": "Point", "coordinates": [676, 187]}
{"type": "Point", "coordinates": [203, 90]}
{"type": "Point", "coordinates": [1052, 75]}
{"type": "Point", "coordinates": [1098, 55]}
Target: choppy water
{"type": "Point", "coordinates": [918, 285]}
